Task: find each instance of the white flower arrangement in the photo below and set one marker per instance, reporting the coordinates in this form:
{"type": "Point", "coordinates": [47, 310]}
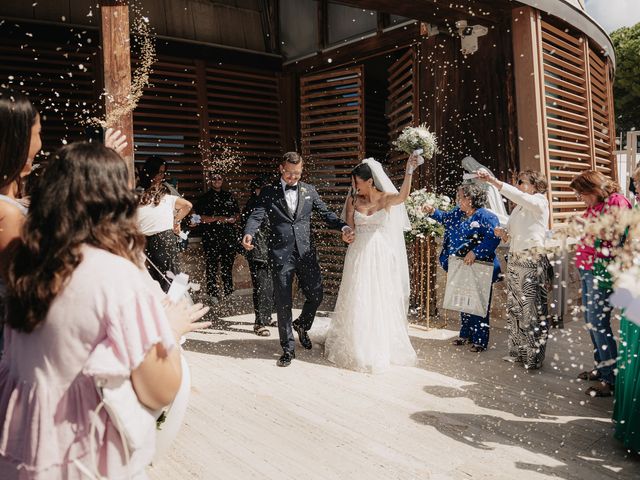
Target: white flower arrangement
{"type": "Point", "coordinates": [417, 140]}
{"type": "Point", "coordinates": [422, 225]}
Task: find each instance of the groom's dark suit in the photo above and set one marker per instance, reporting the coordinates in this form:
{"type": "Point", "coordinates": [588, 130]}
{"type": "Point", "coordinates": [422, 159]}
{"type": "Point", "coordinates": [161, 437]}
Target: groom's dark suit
{"type": "Point", "coordinates": [292, 251]}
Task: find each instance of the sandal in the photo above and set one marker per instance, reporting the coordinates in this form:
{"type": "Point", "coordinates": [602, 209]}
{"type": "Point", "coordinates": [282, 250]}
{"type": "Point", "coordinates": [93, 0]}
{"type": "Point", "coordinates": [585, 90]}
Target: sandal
{"type": "Point", "coordinates": [274, 323]}
{"type": "Point", "coordinates": [601, 390]}
{"type": "Point", "coordinates": [261, 331]}
{"type": "Point", "coordinates": [592, 376]}
{"type": "Point", "coordinates": [460, 341]}
{"type": "Point", "coordinates": [477, 348]}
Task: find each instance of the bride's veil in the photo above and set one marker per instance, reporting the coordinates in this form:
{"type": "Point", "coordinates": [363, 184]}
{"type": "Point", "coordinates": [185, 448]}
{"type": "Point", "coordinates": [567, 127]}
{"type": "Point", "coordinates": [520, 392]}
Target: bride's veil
{"type": "Point", "coordinates": [398, 224]}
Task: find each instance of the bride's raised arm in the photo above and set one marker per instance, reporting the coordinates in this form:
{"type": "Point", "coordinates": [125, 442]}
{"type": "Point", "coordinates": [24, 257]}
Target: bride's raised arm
{"type": "Point", "coordinates": [351, 208]}
{"type": "Point", "coordinates": [397, 198]}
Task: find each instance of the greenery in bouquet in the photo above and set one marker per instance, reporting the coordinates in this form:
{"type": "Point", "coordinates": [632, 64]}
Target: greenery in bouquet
{"type": "Point", "coordinates": [417, 138]}
{"type": "Point", "coordinates": [422, 225]}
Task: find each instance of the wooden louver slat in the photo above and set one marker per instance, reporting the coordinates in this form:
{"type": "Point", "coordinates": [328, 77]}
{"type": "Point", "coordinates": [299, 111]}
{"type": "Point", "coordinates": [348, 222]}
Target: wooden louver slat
{"type": "Point", "coordinates": [578, 118]}
{"type": "Point", "coordinates": [402, 106]}
{"type": "Point", "coordinates": [164, 123]}
{"type": "Point", "coordinates": [333, 141]}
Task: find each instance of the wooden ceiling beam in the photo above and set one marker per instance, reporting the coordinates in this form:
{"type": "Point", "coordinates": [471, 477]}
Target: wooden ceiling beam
{"type": "Point", "coordinates": [438, 11]}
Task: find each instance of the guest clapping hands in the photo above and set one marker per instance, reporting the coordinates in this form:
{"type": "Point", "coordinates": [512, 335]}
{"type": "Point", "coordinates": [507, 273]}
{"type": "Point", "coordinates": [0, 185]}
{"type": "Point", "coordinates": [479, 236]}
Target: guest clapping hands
{"type": "Point", "coordinates": [82, 312]}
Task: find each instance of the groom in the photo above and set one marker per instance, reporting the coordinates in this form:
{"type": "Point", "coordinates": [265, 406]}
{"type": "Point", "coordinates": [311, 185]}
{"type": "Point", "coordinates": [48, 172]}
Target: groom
{"type": "Point", "coordinates": [289, 204]}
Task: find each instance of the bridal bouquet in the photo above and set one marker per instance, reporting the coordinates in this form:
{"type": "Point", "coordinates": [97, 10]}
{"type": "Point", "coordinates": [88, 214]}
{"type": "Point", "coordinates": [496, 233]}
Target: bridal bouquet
{"type": "Point", "coordinates": [421, 224]}
{"type": "Point", "coordinates": [418, 140]}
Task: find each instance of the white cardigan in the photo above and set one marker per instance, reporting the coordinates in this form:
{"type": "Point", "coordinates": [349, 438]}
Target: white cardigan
{"type": "Point", "coordinates": [528, 223]}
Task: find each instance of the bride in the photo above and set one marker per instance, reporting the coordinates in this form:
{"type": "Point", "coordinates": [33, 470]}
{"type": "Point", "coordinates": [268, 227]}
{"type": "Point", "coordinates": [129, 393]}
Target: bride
{"type": "Point", "coordinates": [368, 331]}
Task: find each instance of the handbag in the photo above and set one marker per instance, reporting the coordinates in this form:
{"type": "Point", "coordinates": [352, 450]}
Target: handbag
{"type": "Point", "coordinates": [133, 421]}
{"type": "Point", "coordinates": [468, 286]}
{"type": "Point", "coordinates": [167, 432]}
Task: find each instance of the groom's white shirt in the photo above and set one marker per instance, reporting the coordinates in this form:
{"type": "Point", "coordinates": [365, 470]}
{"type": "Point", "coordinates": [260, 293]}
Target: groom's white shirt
{"type": "Point", "coordinates": [291, 196]}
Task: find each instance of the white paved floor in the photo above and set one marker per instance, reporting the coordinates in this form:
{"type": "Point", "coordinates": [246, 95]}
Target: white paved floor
{"type": "Point", "coordinates": [458, 415]}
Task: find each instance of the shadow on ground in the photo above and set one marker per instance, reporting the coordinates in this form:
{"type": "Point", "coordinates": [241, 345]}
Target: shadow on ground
{"type": "Point", "coordinates": [544, 411]}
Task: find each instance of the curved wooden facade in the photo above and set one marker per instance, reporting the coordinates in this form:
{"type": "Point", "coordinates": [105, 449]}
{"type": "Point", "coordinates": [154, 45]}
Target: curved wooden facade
{"type": "Point", "coordinates": [337, 80]}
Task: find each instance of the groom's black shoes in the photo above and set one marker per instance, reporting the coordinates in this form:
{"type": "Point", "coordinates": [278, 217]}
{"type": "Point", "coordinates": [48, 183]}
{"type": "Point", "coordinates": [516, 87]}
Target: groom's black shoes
{"type": "Point", "coordinates": [305, 341]}
{"type": "Point", "coordinates": [285, 359]}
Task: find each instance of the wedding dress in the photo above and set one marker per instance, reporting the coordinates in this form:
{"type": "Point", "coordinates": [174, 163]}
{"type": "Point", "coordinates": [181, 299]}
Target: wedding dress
{"type": "Point", "coordinates": [368, 330]}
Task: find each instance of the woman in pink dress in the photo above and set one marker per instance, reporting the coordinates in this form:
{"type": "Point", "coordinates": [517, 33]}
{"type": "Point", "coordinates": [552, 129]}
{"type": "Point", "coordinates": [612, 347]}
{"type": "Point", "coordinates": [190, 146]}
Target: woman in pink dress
{"type": "Point", "coordinates": [81, 307]}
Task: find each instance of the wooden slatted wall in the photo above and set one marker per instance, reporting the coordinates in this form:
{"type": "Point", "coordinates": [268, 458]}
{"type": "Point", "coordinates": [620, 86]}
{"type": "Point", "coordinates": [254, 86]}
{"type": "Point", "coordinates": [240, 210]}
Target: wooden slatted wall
{"type": "Point", "coordinates": [166, 123]}
{"type": "Point", "coordinates": [578, 112]}
{"type": "Point", "coordinates": [602, 111]}
{"type": "Point", "coordinates": [402, 107]}
{"type": "Point", "coordinates": [333, 142]}
{"type": "Point", "coordinates": [191, 109]}
{"type": "Point", "coordinates": [243, 117]}
{"type": "Point", "coordinates": [187, 101]}
{"type": "Point", "coordinates": [58, 76]}
{"type": "Point", "coordinates": [376, 124]}
{"type": "Point", "coordinates": [566, 104]}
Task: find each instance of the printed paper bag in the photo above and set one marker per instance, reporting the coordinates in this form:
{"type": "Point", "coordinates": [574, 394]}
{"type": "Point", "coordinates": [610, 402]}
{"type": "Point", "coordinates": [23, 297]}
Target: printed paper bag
{"type": "Point", "coordinates": [468, 287]}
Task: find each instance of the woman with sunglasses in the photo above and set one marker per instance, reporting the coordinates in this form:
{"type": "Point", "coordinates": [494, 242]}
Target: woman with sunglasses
{"type": "Point", "coordinates": [527, 269]}
{"type": "Point", "coordinates": [600, 195]}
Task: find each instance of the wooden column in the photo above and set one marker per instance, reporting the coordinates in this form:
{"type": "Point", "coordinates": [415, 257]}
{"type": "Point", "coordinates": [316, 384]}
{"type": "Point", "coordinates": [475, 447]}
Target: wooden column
{"type": "Point", "coordinates": [615, 174]}
{"type": "Point", "coordinates": [589, 99]}
{"type": "Point", "coordinates": [529, 94]}
{"type": "Point", "coordinates": [116, 67]}
{"type": "Point", "coordinates": [529, 90]}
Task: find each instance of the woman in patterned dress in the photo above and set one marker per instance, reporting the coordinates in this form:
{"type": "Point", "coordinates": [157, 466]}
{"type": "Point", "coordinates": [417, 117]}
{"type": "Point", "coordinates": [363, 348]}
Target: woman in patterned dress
{"type": "Point", "coordinates": [527, 269]}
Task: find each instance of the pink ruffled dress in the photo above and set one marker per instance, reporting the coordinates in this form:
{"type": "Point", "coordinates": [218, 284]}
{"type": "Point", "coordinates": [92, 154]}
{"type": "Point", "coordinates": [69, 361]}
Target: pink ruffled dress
{"type": "Point", "coordinates": [103, 322]}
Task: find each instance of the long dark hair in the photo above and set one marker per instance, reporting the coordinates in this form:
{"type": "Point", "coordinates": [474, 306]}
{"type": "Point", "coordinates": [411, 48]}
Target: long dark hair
{"type": "Point", "coordinates": [17, 117]}
{"type": "Point", "coordinates": [83, 197]}
{"type": "Point", "coordinates": [363, 172]}
{"type": "Point", "coordinates": [152, 193]}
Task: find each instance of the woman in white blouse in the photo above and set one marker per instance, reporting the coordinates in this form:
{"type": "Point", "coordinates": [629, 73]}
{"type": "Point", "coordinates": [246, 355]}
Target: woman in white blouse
{"type": "Point", "coordinates": [528, 266]}
{"type": "Point", "coordinates": [159, 216]}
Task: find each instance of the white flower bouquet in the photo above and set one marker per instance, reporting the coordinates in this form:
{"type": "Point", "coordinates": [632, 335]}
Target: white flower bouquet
{"type": "Point", "coordinates": [418, 140]}
{"type": "Point", "coordinates": [422, 225]}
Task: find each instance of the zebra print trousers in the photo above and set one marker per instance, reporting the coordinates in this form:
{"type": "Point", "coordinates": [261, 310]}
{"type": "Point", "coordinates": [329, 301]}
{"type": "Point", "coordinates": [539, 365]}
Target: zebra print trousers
{"type": "Point", "coordinates": [527, 309]}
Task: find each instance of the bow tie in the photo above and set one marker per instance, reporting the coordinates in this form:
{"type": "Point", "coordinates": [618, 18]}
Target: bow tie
{"type": "Point", "coordinates": [291, 187]}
